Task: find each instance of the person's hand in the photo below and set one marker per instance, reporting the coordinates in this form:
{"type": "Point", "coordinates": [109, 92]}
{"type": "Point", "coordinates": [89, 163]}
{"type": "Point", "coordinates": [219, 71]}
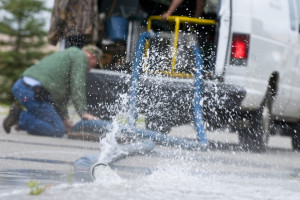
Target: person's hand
{"type": "Point", "coordinates": [165, 15]}
{"type": "Point", "coordinates": [174, 5]}
{"type": "Point", "coordinates": [88, 116]}
{"type": "Point", "coordinates": [68, 124]}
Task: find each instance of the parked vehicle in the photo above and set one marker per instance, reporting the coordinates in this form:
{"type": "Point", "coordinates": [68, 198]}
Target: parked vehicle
{"type": "Point", "coordinates": [251, 85]}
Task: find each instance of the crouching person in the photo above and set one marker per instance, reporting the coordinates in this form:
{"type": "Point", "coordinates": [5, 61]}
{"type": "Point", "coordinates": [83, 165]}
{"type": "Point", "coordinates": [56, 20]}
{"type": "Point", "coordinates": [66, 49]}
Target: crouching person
{"type": "Point", "coordinates": [45, 89]}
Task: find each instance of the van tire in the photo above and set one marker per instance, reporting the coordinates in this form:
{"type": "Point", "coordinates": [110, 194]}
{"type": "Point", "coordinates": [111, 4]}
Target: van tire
{"type": "Point", "coordinates": [296, 137]}
{"type": "Point", "coordinates": [255, 137]}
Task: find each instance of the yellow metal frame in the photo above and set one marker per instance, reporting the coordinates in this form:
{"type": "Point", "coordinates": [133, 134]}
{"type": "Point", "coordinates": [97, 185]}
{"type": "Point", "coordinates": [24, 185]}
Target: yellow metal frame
{"type": "Point", "coordinates": [178, 20]}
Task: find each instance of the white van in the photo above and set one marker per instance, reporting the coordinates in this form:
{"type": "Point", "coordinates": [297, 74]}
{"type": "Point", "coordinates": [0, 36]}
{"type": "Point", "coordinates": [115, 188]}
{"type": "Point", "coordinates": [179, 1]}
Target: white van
{"type": "Point", "coordinates": [250, 82]}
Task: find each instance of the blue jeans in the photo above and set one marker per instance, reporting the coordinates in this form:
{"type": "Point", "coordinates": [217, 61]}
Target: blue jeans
{"type": "Point", "coordinates": [41, 117]}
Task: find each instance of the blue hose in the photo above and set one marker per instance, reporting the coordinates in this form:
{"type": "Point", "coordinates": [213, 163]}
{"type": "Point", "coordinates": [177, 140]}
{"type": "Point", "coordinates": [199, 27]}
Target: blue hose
{"type": "Point", "coordinates": [84, 166]}
{"type": "Point", "coordinates": [135, 77]}
{"type": "Point", "coordinates": [198, 112]}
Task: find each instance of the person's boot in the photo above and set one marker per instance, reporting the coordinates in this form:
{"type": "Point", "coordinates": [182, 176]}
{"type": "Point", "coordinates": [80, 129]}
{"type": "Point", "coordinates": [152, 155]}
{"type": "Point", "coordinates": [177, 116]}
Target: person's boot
{"type": "Point", "coordinates": [12, 118]}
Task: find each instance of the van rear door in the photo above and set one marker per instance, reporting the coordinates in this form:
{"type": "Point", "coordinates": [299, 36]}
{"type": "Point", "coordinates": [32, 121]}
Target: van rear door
{"type": "Point", "coordinates": [293, 107]}
{"type": "Point", "coordinates": [224, 18]}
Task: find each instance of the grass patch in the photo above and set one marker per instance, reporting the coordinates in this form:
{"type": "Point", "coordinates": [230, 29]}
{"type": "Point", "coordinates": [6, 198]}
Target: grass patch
{"type": "Point", "coordinates": [4, 108]}
{"type": "Point", "coordinates": [35, 188]}
{"type": "Point", "coordinates": [123, 119]}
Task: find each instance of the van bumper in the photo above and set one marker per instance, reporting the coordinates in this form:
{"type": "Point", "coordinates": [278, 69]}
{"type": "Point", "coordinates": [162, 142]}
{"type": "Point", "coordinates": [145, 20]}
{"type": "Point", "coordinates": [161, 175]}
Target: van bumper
{"type": "Point", "coordinates": [167, 97]}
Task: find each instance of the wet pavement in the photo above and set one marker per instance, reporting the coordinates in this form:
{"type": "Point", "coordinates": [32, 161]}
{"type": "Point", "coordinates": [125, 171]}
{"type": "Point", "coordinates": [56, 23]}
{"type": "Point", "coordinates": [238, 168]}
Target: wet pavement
{"type": "Point", "coordinates": [49, 160]}
{"type": "Point", "coordinates": [223, 172]}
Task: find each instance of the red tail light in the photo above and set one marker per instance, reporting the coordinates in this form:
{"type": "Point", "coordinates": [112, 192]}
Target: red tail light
{"type": "Point", "coordinates": [239, 49]}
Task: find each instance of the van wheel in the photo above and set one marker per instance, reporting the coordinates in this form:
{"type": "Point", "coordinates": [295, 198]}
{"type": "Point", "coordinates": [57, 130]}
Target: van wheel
{"type": "Point", "coordinates": [256, 136]}
{"type": "Point", "coordinates": [157, 124]}
{"type": "Point", "coordinates": [296, 138]}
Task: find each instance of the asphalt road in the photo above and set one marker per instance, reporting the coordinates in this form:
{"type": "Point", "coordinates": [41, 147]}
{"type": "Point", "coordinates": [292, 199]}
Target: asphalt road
{"type": "Point", "coordinates": [165, 173]}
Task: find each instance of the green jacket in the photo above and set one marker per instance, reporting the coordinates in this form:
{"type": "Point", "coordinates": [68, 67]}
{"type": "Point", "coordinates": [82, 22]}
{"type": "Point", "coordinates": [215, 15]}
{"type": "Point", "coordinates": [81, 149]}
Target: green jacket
{"type": "Point", "coordinates": [63, 74]}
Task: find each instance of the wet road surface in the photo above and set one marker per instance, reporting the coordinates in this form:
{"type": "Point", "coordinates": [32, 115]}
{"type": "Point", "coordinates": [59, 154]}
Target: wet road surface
{"type": "Point", "coordinates": [222, 172]}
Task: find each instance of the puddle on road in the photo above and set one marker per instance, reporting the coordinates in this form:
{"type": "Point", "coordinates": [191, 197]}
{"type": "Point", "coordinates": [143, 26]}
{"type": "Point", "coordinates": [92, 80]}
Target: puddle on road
{"type": "Point", "coordinates": [169, 180]}
{"type": "Point", "coordinates": [210, 176]}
